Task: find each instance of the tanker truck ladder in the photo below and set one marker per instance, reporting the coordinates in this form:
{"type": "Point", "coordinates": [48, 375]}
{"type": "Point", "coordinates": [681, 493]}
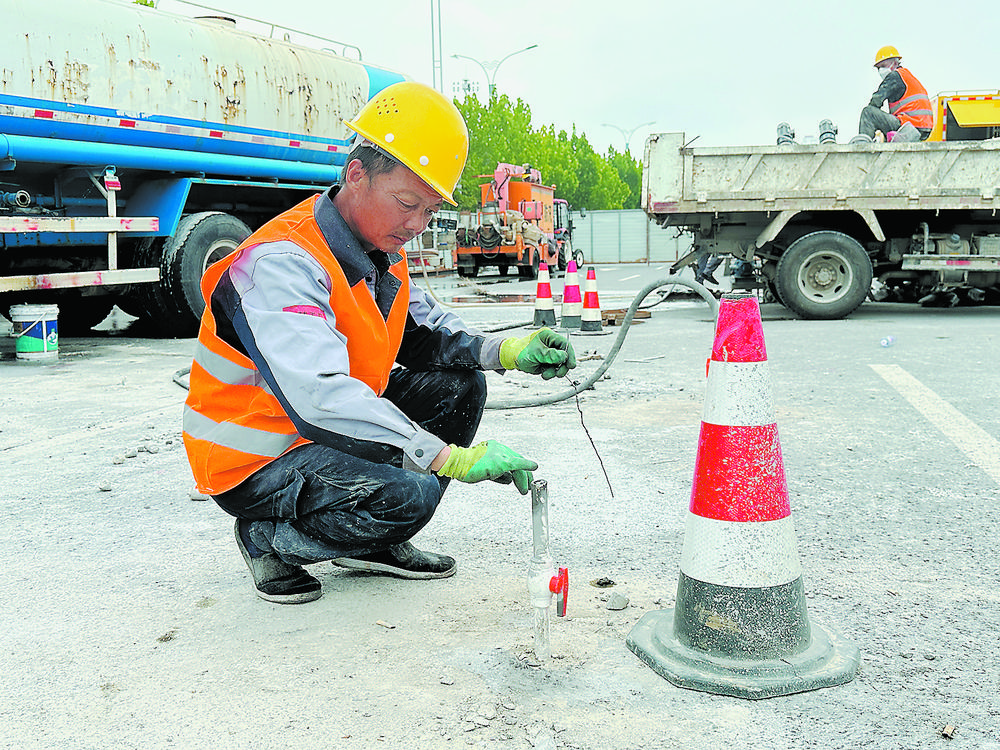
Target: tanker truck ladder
{"type": "Point", "coordinates": [112, 224]}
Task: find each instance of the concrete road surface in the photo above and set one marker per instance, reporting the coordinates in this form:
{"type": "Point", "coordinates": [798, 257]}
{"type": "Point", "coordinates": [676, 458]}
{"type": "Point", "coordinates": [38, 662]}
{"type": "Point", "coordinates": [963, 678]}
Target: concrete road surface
{"type": "Point", "coordinates": [130, 620]}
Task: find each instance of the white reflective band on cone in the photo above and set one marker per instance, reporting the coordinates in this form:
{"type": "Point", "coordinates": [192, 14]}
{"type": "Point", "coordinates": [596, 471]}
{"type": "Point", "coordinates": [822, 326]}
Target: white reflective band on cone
{"type": "Point", "coordinates": [738, 393]}
{"type": "Point", "coordinates": [757, 554]}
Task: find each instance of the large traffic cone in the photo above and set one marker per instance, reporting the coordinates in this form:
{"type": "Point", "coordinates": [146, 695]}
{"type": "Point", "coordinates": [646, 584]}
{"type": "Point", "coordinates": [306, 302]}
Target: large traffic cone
{"type": "Point", "coordinates": [739, 625]}
{"type": "Point", "coordinates": [545, 314]}
{"type": "Point", "coordinates": [591, 320]}
{"type": "Point", "coordinates": [572, 306]}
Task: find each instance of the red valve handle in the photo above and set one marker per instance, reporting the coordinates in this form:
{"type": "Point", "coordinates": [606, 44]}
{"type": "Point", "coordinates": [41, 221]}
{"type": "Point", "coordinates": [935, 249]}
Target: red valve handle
{"type": "Point", "coordinates": [559, 585]}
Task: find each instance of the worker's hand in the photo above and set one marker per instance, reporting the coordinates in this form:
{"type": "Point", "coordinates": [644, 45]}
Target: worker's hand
{"type": "Point", "coordinates": [544, 353]}
{"type": "Point", "coordinates": [489, 460]}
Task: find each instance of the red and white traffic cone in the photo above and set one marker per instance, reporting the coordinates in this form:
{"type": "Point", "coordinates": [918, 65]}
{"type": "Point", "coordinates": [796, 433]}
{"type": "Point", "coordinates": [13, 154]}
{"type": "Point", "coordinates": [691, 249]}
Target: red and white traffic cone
{"type": "Point", "coordinates": [739, 625]}
{"type": "Point", "coordinates": [572, 306]}
{"type": "Point", "coordinates": [545, 314]}
{"type": "Point", "coordinates": [591, 320]}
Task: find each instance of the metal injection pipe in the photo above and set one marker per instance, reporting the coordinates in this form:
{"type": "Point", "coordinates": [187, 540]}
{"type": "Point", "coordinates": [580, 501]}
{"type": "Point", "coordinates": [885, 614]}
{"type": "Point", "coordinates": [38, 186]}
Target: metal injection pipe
{"type": "Point", "coordinates": [544, 580]}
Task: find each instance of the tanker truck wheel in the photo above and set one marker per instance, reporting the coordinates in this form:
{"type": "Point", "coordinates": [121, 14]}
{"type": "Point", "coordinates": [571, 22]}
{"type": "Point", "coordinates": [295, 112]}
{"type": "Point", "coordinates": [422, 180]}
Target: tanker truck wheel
{"type": "Point", "coordinates": [823, 275]}
{"type": "Point", "coordinates": [173, 307]}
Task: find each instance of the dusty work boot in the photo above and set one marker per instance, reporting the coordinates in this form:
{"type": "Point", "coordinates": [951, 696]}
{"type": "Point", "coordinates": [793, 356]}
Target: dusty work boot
{"type": "Point", "coordinates": [273, 578]}
{"type": "Point", "coordinates": [403, 561]}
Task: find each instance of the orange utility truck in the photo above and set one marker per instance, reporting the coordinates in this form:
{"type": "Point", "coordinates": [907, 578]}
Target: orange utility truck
{"type": "Point", "coordinates": [516, 226]}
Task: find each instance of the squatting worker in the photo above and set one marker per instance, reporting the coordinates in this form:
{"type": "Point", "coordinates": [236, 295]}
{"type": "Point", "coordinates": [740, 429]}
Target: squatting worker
{"type": "Point", "coordinates": [331, 400]}
{"type": "Point", "coordinates": [906, 96]}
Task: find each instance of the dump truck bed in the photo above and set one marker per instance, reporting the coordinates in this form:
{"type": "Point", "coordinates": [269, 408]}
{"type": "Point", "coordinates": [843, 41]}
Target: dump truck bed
{"type": "Point", "coordinates": [679, 181]}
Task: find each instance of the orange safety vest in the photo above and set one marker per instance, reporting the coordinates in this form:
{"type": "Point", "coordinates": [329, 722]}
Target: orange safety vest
{"type": "Point", "coordinates": [233, 424]}
{"type": "Point", "coordinates": [915, 106]}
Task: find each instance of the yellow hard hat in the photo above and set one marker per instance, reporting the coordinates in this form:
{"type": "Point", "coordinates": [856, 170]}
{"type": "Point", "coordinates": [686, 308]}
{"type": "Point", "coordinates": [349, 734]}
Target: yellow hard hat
{"type": "Point", "coordinates": [422, 129]}
{"type": "Point", "coordinates": [885, 53]}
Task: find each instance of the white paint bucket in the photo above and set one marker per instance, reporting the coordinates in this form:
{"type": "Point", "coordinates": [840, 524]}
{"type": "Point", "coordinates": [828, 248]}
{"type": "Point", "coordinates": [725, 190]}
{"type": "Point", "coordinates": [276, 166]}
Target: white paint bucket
{"type": "Point", "coordinates": [36, 329]}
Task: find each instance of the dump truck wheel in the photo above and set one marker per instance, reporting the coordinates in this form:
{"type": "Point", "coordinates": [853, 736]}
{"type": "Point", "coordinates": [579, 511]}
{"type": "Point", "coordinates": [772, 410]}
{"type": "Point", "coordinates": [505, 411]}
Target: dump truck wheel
{"type": "Point", "coordinates": [173, 307]}
{"type": "Point", "coordinates": [824, 275]}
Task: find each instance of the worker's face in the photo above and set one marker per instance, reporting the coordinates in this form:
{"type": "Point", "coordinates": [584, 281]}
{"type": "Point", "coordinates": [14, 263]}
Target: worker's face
{"type": "Point", "coordinates": [885, 67]}
{"type": "Point", "coordinates": [389, 209]}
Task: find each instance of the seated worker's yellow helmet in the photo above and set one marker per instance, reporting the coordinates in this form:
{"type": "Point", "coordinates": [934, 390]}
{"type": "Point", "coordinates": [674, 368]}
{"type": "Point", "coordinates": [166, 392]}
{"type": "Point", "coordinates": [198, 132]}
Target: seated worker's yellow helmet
{"type": "Point", "coordinates": [422, 129]}
{"type": "Point", "coordinates": [885, 53]}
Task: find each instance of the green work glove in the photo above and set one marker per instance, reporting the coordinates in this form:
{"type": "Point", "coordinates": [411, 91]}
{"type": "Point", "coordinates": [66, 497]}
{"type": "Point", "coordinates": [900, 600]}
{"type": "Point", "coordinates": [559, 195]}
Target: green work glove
{"type": "Point", "coordinates": [544, 353]}
{"type": "Point", "coordinates": [489, 460]}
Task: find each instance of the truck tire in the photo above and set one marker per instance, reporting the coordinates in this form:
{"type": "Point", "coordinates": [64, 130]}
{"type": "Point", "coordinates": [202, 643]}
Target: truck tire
{"type": "Point", "coordinates": [173, 307]}
{"type": "Point", "coordinates": [824, 275]}
{"type": "Point", "coordinates": [568, 253]}
{"type": "Point", "coordinates": [530, 271]}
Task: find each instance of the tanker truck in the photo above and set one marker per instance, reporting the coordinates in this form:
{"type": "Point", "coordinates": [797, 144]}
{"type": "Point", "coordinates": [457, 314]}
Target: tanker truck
{"type": "Point", "coordinates": [818, 222]}
{"type": "Point", "coordinates": [138, 146]}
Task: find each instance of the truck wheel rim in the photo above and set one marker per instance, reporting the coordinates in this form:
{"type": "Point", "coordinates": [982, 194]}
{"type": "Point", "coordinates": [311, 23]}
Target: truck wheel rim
{"type": "Point", "coordinates": [216, 252]}
{"type": "Point", "coordinates": [825, 276]}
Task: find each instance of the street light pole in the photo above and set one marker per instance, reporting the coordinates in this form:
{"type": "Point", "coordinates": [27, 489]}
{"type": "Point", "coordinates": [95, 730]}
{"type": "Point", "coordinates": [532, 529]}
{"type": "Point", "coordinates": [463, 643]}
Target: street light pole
{"type": "Point", "coordinates": [627, 135]}
{"type": "Point", "coordinates": [495, 66]}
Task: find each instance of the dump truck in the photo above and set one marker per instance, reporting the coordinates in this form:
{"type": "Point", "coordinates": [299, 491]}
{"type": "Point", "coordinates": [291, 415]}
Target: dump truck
{"type": "Point", "coordinates": [138, 146]}
{"type": "Point", "coordinates": [819, 222]}
{"type": "Point", "coordinates": [520, 224]}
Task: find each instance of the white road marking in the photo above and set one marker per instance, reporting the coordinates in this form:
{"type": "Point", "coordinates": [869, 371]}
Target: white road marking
{"type": "Point", "coordinates": [629, 278]}
{"type": "Point", "coordinates": [970, 438]}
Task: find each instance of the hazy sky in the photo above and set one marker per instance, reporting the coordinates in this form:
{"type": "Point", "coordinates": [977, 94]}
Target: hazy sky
{"type": "Point", "coordinates": [725, 70]}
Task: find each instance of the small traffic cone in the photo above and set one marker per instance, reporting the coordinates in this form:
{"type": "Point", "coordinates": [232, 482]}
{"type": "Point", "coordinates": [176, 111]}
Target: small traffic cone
{"type": "Point", "coordinates": [591, 319]}
{"type": "Point", "coordinates": [545, 314]}
{"type": "Point", "coordinates": [739, 625]}
{"type": "Point", "coordinates": [572, 306]}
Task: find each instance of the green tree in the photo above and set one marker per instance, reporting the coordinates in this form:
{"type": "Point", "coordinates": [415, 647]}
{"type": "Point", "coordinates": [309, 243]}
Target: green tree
{"type": "Point", "coordinates": [501, 131]}
{"type": "Point", "coordinates": [630, 171]}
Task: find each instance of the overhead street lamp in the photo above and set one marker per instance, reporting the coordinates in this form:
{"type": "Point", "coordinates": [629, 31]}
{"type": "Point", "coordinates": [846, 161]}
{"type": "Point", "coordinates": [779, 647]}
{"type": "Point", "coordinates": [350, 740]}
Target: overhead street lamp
{"type": "Point", "coordinates": [492, 65]}
{"type": "Point", "coordinates": [627, 135]}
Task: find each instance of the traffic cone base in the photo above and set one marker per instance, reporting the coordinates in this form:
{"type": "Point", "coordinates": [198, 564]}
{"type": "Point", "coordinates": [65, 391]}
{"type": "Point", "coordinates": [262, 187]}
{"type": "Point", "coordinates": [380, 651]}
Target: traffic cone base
{"type": "Point", "coordinates": [828, 659]}
{"type": "Point", "coordinates": [739, 625]}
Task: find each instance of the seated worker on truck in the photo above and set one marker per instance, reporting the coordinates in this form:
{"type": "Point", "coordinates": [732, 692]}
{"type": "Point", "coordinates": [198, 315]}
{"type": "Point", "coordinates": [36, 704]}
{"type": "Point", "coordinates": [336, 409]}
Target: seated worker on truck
{"type": "Point", "coordinates": [331, 400]}
{"type": "Point", "coordinates": [906, 96]}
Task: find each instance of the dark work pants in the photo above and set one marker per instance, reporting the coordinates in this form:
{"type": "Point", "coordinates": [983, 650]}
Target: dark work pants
{"type": "Point", "coordinates": [873, 118]}
{"type": "Point", "coordinates": [319, 502]}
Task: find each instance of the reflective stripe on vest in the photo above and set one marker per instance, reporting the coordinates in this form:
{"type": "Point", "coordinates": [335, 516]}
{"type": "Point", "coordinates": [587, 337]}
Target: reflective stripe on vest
{"type": "Point", "coordinates": [915, 106]}
{"type": "Point", "coordinates": [225, 370]}
{"type": "Point", "coordinates": [236, 437]}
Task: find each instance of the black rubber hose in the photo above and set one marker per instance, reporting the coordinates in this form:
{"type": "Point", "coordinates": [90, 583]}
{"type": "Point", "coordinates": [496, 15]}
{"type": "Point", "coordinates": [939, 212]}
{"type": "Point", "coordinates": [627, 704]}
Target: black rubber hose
{"type": "Point", "coordinates": [713, 304]}
{"type": "Point", "coordinates": [706, 295]}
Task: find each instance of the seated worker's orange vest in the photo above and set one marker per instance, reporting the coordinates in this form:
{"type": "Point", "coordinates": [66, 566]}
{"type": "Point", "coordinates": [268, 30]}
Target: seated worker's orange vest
{"type": "Point", "coordinates": [233, 424]}
{"type": "Point", "coordinates": [915, 106]}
